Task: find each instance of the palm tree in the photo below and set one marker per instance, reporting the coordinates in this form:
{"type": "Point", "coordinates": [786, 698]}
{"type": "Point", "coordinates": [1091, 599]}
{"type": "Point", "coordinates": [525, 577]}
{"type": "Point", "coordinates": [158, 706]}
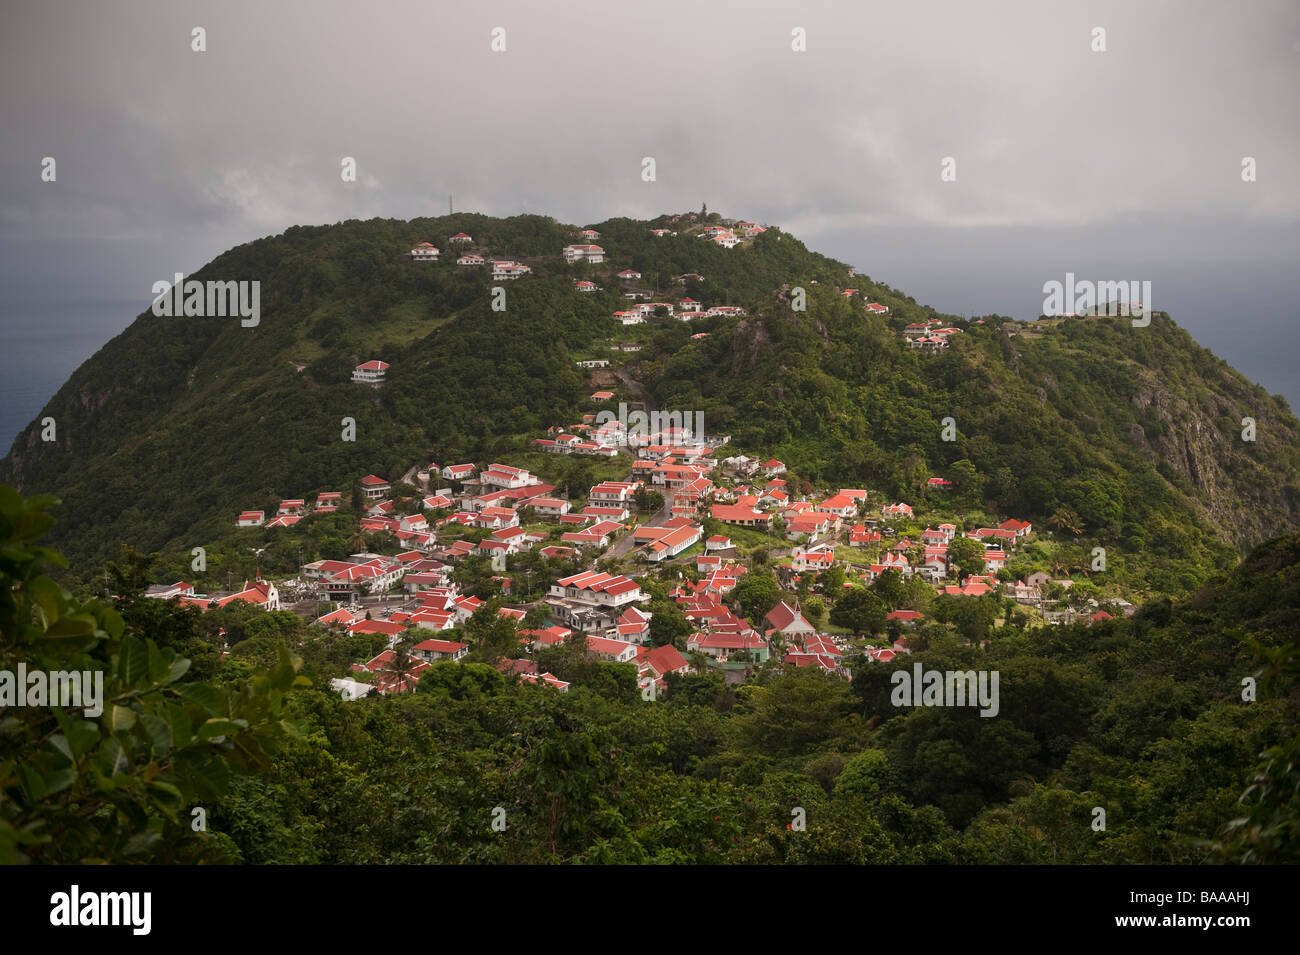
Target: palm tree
{"type": "Point", "coordinates": [401, 664]}
{"type": "Point", "coordinates": [1066, 519]}
{"type": "Point", "coordinates": [358, 542]}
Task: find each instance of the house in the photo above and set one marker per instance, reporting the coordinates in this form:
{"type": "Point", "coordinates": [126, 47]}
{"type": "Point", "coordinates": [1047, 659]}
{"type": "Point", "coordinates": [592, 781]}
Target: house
{"type": "Point", "coordinates": [666, 542]}
{"type": "Point", "coordinates": [469, 259]}
{"type": "Point", "coordinates": [373, 488]}
{"type": "Point", "coordinates": [250, 519]}
{"type": "Point", "coordinates": [660, 233]}
{"type": "Point", "coordinates": [578, 253]}
{"type": "Point", "coordinates": [601, 395]}
{"type": "Point", "coordinates": [859, 536]}
{"type": "Point", "coordinates": [1022, 592]}
{"type": "Point", "coordinates": [740, 515]}
{"type": "Point", "coordinates": [460, 237]}
{"type": "Point", "coordinates": [789, 620]}
{"type": "Point", "coordinates": [772, 467]}
{"type": "Point", "coordinates": [328, 501]}
{"type": "Point", "coordinates": [809, 525]}
{"type": "Point", "coordinates": [260, 593]}
{"type": "Point", "coordinates": [664, 660]}
{"type": "Point", "coordinates": [431, 651]}
{"type": "Point", "coordinates": [592, 599]}
{"type": "Point", "coordinates": [1019, 528]}
{"type": "Point", "coordinates": [614, 492]}
{"type": "Point", "coordinates": [995, 560]}
{"type": "Point", "coordinates": [717, 542]}
{"type": "Point", "coordinates": [168, 591]}
{"type": "Point", "coordinates": [589, 234]}
{"type": "Point", "coordinates": [876, 308]}
{"type": "Point", "coordinates": [896, 510]}
{"type": "Point", "coordinates": [613, 651]}
{"type": "Point", "coordinates": [627, 274]}
{"type": "Point", "coordinates": [816, 559]}
{"type": "Point", "coordinates": [504, 476]}
{"type": "Point", "coordinates": [547, 506]}
{"type": "Point", "coordinates": [505, 271]}
{"type": "Point", "coordinates": [722, 644]}
{"type": "Point", "coordinates": [840, 505]}
{"type": "Point", "coordinates": [585, 286]}
{"type": "Point", "coordinates": [458, 472]}
{"type": "Point", "coordinates": [370, 372]}
{"type": "Point", "coordinates": [905, 616]}
{"type": "Point", "coordinates": [424, 252]}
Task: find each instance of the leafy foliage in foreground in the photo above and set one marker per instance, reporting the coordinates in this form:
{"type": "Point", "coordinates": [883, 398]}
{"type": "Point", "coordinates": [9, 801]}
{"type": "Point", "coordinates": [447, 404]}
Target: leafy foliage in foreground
{"type": "Point", "coordinates": [119, 786]}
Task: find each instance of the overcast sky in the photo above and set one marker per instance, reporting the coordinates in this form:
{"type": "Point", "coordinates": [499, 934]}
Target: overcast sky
{"type": "Point", "coordinates": [1117, 164]}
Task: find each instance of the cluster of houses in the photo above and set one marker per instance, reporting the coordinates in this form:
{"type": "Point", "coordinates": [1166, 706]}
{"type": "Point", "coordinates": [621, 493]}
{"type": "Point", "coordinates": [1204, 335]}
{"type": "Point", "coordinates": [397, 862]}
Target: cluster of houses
{"type": "Point", "coordinates": [928, 336]}
{"type": "Point", "coordinates": [291, 511]}
{"type": "Point", "coordinates": [606, 609]}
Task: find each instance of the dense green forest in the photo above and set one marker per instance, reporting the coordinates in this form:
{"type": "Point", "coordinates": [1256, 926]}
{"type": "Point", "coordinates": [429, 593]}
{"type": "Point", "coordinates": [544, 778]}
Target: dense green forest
{"type": "Point", "coordinates": [1152, 720]}
{"type": "Point", "coordinates": [1112, 435]}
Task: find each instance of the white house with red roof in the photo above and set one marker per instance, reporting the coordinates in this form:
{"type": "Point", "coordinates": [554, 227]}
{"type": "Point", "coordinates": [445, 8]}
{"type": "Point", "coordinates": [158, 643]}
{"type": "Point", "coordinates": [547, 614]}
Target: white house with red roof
{"type": "Point", "coordinates": [424, 252]}
{"type": "Point", "coordinates": [260, 593]}
{"type": "Point", "coordinates": [374, 487]}
{"type": "Point", "coordinates": [370, 372]}
{"type": "Point", "coordinates": [168, 591]}
{"type": "Point", "coordinates": [1019, 528]}
{"type": "Point", "coordinates": [627, 274]}
{"type": "Point", "coordinates": [431, 651]}
{"type": "Point", "coordinates": [250, 519]}
{"type": "Point", "coordinates": [592, 599]}
{"type": "Point", "coordinates": [789, 620]}
{"type": "Point", "coordinates": [504, 476]}
{"type": "Point", "coordinates": [460, 237]}
{"type": "Point", "coordinates": [469, 259]}
{"type": "Point", "coordinates": [612, 651]}
{"type": "Point", "coordinates": [506, 271]}
{"type": "Point", "coordinates": [589, 253]}
{"type": "Point", "coordinates": [591, 234]}
{"type": "Point", "coordinates": [585, 286]}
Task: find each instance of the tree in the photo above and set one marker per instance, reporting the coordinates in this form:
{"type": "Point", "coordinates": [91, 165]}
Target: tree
{"type": "Point", "coordinates": [757, 593]}
{"type": "Point", "coordinates": [79, 786]}
{"type": "Point", "coordinates": [668, 624]}
{"type": "Point", "coordinates": [832, 581]}
{"type": "Point", "coordinates": [967, 554]}
{"type": "Point", "coordinates": [889, 587]}
{"type": "Point", "coordinates": [859, 610]}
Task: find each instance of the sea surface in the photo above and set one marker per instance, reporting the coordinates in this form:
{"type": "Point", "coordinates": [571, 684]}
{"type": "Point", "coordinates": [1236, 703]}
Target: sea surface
{"type": "Point", "coordinates": [41, 344]}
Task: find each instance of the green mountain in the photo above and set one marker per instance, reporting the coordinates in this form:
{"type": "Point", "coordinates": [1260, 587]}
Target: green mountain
{"type": "Point", "coordinates": [1108, 435]}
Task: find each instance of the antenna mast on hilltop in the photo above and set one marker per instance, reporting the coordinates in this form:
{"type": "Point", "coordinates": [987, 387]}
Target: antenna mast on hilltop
{"type": "Point", "coordinates": [449, 210]}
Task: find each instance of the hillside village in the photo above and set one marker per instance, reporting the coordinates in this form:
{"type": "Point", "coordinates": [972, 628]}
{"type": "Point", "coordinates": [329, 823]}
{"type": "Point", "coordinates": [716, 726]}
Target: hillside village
{"type": "Point", "coordinates": [746, 565]}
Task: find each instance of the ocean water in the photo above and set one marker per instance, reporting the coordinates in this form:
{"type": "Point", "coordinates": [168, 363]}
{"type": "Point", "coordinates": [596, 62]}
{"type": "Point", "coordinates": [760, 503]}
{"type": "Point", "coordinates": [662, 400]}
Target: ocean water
{"type": "Point", "coordinates": [41, 344]}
